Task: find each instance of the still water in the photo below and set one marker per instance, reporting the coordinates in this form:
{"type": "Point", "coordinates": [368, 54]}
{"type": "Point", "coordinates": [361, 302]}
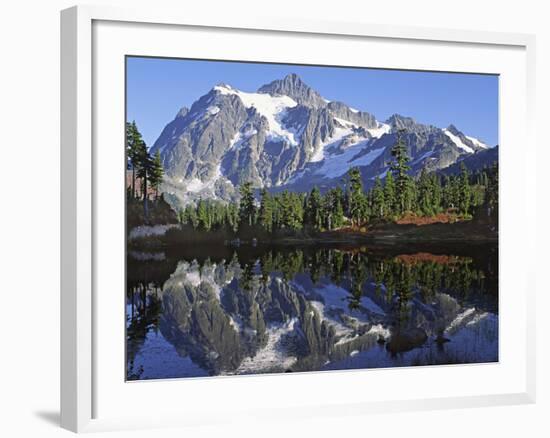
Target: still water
{"type": "Point", "coordinates": [250, 310]}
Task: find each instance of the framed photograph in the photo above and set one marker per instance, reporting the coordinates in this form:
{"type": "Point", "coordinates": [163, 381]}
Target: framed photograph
{"type": "Point", "coordinates": [336, 224]}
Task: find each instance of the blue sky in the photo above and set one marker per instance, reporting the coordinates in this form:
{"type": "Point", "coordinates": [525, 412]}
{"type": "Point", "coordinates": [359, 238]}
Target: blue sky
{"type": "Point", "coordinates": [157, 88]}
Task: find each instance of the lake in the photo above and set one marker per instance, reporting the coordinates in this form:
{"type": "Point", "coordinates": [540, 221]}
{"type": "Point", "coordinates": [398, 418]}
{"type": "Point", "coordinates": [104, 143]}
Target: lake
{"type": "Point", "coordinates": [217, 310]}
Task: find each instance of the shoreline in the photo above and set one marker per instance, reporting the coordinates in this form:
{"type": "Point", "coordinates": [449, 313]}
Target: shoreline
{"type": "Point", "coordinates": [381, 234]}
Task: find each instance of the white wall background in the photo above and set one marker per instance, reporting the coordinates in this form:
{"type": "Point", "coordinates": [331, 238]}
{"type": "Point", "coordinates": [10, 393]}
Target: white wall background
{"type": "Point", "coordinates": [29, 215]}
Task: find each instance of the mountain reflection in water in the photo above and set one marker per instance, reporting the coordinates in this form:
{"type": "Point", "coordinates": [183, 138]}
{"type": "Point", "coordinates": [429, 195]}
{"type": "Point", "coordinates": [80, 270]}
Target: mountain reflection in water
{"type": "Point", "coordinates": [272, 310]}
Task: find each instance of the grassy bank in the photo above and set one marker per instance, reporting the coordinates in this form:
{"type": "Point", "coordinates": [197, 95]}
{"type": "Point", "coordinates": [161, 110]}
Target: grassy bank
{"type": "Point", "coordinates": [383, 233]}
{"type": "Point", "coordinates": [461, 231]}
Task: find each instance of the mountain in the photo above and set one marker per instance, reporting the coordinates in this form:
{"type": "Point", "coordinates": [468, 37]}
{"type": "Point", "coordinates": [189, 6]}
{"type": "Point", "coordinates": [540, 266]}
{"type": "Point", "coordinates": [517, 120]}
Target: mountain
{"type": "Point", "coordinates": [474, 162]}
{"type": "Point", "coordinates": [287, 136]}
{"type": "Point", "coordinates": [293, 87]}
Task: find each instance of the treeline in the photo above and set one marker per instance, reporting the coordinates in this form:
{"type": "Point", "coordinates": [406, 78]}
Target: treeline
{"type": "Point", "coordinates": [288, 210]}
{"type": "Point", "coordinates": [357, 271]}
{"type": "Point", "coordinates": [391, 276]}
{"type": "Point", "coordinates": [398, 195]}
{"type": "Point", "coordinates": [146, 169]}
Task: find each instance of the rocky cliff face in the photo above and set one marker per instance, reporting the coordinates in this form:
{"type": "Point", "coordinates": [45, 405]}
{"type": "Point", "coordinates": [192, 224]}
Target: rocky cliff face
{"type": "Point", "coordinates": [287, 136]}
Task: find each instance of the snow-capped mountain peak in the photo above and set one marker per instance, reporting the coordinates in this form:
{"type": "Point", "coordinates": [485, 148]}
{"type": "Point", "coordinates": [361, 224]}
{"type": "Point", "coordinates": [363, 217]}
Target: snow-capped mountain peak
{"type": "Point", "coordinates": [293, 86]}
{"type": "Point", "coordinates": [287, 136]}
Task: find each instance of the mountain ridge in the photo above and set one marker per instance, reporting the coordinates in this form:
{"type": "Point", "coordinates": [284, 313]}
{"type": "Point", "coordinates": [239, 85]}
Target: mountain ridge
{"type": "Point", "coordinates": [287, 136]}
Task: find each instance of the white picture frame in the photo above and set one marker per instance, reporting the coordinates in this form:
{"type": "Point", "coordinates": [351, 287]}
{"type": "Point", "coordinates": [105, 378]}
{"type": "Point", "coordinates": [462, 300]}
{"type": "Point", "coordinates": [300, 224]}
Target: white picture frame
{"type": "Point", "coordinates": [83, 369]}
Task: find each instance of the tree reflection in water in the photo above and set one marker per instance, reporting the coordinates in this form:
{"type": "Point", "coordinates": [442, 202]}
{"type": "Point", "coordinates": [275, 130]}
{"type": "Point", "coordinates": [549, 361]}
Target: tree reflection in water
{"type": "Point", "coordinates": [265, 310]}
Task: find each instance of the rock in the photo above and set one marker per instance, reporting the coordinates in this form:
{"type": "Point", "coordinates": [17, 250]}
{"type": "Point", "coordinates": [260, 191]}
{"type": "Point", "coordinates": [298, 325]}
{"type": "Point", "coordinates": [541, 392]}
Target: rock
{"type": "Point", "coordinates": [292, 86]}
{"type": "Point", "coordinates": [406, 340]}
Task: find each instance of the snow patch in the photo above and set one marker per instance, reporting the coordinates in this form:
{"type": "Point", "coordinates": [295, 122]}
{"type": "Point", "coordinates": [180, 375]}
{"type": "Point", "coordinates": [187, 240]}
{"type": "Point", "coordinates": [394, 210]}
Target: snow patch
{"type": "Point", "coordinates": [336, 139]}
{"type": "Point", "coordinates": [459, 319]}
{"type": "Point", "coordinates": [477, 142]}
{"type": "Point", "coordinates": [236, 141]}
{"type": "Point", "coordinates": [424, 156]}
{"type": "Point", "coordinates": [196, 185]}
{"type": "Point", "coordinates": [272, 108]}
{"type": "Point", "coordinates": [193, 277]}
{"type": "Point", "coordinates": [336, 165]}
{"type": "Point", "coordinates": [477, 318]}
{"type": "Point", "coordinates": [240, 138]}
{"type": "Point", "coordinates": [213, 110]}
{"type": "Point", "coordinates": [336, 297]}
{"type": "Point", "coordinates": [345, 123]}
{"type": "Point", "coordinates": [271, 356]}
{"type": "Point", "coordinates": [380, 130]}
{"type": "Point", "coordinates": [235, 324]}
{"type": "Point", "coordinates": [339, 329]}
{"type": "Point", "coordinates": [380, 330]}
{"type": "Point", "coordinates": [377, 330]}
{"type": "Point", "coordinates": [458, 142]}
{"type": "Point", "coordinates": [317, 156]}
{"type": "Point", "coordinates": [319, 152]}
{"type": "Point", "coordinates": [148, 230]}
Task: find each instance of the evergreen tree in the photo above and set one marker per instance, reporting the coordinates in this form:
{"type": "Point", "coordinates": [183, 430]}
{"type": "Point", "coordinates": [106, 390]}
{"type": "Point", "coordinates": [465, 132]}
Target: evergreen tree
{"type": "Point", "coordinates": [190, 216]}
{"type": "Point", "coordinates": [333, 213]}
{"type": "Point", "coordinates": [216, 212]}
{"type": "Point", "coordinates": [451, 192]}
{"type": "Point", "coordinates": [157, 173]}
{"type": "Point", "coordinates": [183, 218]}
{"type": "Point", "coordinates": [314, 213]}
{"type": "Point", "coordinates": [298, 206]}
{"type": "Point", "coordinates": [232, 216]}
{"type": "Point", "coordinates": [478, 192]}
{"type": "Point", "coordinates": [399, 167]}
{"type": "Point", "coordinates": [289, 211]}
{"type": "Point", "coordinates": [203, 216]}
{"type": "Point", "coordinates": [411, 196]}
{"type": "Point", "coordinates": [447, 193]}
{"type": "Point", "coordinates": [145, 168]}
{"type": "Point", "coordinates": [337, 208]}
{"type": "Point", "coordinates": [134, 146]}
{"type": "Point", "coordinates": [425, 200]}
{"type": "Point", "coordinates": [378, 200]}
{"type": "Point", "coordinates": [389, 195]}
{"type": "Point", "coordinates": [464, 192]}
{"type": "Point", "coordinates": [357, 201]}
{"type": "Point", "coordinates": [436, 193]}
{"type": "Point", "coordinates": [266, 211]}
{"type": "Point", "coordinates": [286, 210]}
{"type": "Point", "coordinates": [247, 209]}
{"type": "Point", "coordinates": [484, 179]}
{"type": "Point", "coordinates": [292, 210]}
{"type": "Point", "coordinates": [492, 192]}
